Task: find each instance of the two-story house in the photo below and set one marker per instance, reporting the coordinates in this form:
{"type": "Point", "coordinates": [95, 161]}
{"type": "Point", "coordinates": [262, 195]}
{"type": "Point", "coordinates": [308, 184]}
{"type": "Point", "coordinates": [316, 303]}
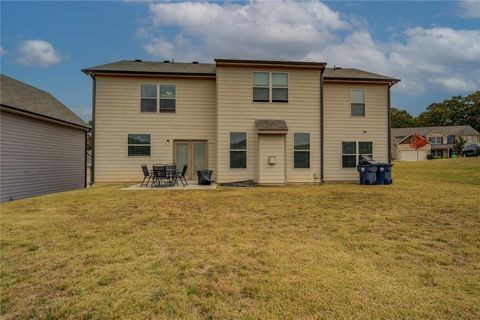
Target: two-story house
{"type": "Point", "coordinates": [273, 122]}
{"type": "Point", "coordinates": [440, 140]}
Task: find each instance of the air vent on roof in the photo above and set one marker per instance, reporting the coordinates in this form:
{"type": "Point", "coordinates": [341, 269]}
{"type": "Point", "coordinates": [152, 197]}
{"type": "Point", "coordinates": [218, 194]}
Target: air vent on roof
{"type": "Point", "coordinates": [138, 60]}
{"type": "Point", "coordinates": [336, 68]}
{"type": "Point", "coordinates": [195, 62]}
{"type": "Point", "coordinates": [166, 61]}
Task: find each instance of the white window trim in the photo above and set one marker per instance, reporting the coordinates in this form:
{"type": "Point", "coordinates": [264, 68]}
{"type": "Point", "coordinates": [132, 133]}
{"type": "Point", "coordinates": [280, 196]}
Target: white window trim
{"type": "Point", "coordinates": [270, 87]}
{"type": "Point", "coordinates": [157, 98]}
{"type": "Point", "coordinates": [357, 152]}
{"type": "Point", "coordinates": [364, 102]}
{"type": "Point", "coordinates": [309, 151]}
{"type": "Point", "coordinates": [140, 145]}
{"type": "Point", "coordinates": [245, 150]}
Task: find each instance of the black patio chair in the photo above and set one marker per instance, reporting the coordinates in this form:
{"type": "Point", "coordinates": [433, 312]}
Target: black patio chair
{"type": "Point", "coordinates": [146, 174]}
{"type": "Point", "coordinates": [159, 175]}
{"type": "Point", "coordinates": [171, 173]}
{"type": "Point", "coordinates": [181, 175]}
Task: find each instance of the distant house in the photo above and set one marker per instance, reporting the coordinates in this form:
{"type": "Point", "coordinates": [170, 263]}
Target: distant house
{"type": "Point", "coordinates": [42, 143]}
{"type": "Point", "coordinates": [440, 140]}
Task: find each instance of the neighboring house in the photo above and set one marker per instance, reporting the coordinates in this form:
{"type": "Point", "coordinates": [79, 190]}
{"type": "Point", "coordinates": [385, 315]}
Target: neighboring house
{"type": "Point", "coordinates": [440, 140]}
{"type": "Point", "coordinates": [42, 143]}
{"type": "Point", "coordinates": [274, 122]}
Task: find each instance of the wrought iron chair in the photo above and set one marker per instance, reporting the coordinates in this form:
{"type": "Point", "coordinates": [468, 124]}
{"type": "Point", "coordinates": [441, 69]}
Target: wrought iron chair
{"type": "Point", "coordinates": [146, 175]}
{"type": "Point", "coordinates": [171, 173]}
{"type": "Point", "coordinates": [181, 175]}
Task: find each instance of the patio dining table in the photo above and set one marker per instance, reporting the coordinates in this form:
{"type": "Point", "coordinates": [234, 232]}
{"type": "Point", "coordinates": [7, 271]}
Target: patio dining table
{"type": "Point", "coordinates": [166, 173]}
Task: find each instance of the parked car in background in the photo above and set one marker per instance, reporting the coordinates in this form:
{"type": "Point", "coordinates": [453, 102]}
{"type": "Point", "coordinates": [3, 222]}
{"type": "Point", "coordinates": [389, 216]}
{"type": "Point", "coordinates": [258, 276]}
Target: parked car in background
{"type": "Point", "coordinates": [472, 150]}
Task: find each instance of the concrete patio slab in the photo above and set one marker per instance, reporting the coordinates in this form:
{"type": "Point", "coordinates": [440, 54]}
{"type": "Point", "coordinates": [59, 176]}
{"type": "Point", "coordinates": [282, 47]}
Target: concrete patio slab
{"type": "Point", "coordinates": [192, 185]}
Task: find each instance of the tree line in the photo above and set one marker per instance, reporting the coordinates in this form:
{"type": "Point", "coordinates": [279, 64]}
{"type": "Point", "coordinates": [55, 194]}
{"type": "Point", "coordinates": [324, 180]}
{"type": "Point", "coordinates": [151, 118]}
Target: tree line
{"type": "Point", "coordinates": [456, 111]}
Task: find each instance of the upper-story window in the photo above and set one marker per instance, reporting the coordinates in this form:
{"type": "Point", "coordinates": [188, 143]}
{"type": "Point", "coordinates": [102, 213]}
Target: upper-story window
{"type": "Point", "coordinates": [357, 103]}
{"type": "Point", "coordinates": [451, 139]}
{"type": "Point", "coordinates": [261, 87]}
{"type": "Point", "coordinates": [436, 140]}
{"type": "Point", "coordinates": [265, 83]}
{"type": "Point", "coordinates": [158, 97]}
{"type": "Point", "coordinates": [279, 87]}
{"type": "Point", "coordinates": [148, 98]}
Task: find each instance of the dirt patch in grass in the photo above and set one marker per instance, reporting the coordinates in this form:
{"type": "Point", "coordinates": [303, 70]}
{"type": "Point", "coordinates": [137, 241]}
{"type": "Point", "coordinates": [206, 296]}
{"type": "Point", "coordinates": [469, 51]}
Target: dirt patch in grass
{"type": "Point", "coordinates": [410, 250]}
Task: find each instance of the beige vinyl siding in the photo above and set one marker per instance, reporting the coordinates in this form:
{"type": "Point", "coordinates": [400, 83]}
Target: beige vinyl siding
{"type": "Point", "coordinates": [39, 157]}
{"type": "Point", "coordinates": [118, 114]}
{"type": "Point", "coordinates": [271, 145]}
{"type": "Point", "coordinates": [341, 126]}
{"type": "Point", "coordinates": [237, 113]}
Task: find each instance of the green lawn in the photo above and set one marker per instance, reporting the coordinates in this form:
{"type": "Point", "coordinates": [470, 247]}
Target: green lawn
{"type": "Point", "coordinates": [335, 251]}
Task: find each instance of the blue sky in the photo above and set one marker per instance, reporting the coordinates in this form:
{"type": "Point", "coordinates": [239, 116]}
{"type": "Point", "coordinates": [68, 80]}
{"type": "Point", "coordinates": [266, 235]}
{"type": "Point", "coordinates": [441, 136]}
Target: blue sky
{"type": "Point", "coordinates": [433, 47]}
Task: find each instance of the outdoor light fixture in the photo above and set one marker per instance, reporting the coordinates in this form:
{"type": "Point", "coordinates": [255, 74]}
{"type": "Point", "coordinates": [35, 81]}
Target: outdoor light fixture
{"type": "Point", "coordinates": [168, 141]}
{"type": "Point", "coordinates": [365, 131]}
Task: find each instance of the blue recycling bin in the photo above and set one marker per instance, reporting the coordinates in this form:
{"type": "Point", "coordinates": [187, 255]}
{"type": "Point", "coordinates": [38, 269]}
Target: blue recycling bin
{"type": "Point", "coordinates": [384, 173]}
{"type": "Point", "coordinates": [367, 174]}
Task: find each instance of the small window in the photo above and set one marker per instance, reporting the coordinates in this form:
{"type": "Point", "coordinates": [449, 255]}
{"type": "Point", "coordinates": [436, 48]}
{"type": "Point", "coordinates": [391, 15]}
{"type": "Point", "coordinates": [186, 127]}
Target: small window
{"type": "Point", "coordinates": [301, 150]}
{"type": "Point", "coordinates": [451, 139]}
{"type": "Point", "coordinates": [358, 103]}
{"type": "Point", "coordinates": [148, 98]}
{"type": "Point", "coordinates": [365, 148]}
{"type": "Point", "coordinates": [436, 140]}
{"type": "Point", "coordinates": [279, 87]}
{"type": "Point", "coordinates": [138, 145]}
{"type": "Point", "coordinates": [238, 150]}
{"type": "Point", "coordinates": [167, 98]}
{"type": "Point", "coordinates": [261, 87]}
{"type": "Point", "coordinates": [349, 154]}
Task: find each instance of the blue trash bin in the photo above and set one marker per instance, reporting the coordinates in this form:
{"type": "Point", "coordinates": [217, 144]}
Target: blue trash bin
{"type": "Point", "coordinates": [367, 174]}
{"type": "Point", "coordinates": [384, 173]}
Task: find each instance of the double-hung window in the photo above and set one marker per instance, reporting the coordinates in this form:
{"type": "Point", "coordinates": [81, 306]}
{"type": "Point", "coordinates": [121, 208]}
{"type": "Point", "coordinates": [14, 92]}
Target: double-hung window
{"type": "Point", "coordinates": [357, 103]}
{"type": "Point", "coordinates": [349, 154]}
{"type": "Point", "coordinates": [238, 150]}
{"type": "Point", "coordinates": [148, 98]}
{"type": "Point", "coordinates": [351, 151]}
{"type": "Point", "coordinates": [168, 98]}
{"type": "Point", "coordinates": [261, 87]}
{"type": "Point", "coordinates": [451, 139]}
{"type": "Point", "coordinates": [265, 83]}
{"type": "Point", "coordinates": [279, 87]}
{"type": "Point", "coordinates": [301, 150]}
{"type": "Point", "coordinates": [158, 97]}
{"type": "Point", "coordinates": [139, 145]}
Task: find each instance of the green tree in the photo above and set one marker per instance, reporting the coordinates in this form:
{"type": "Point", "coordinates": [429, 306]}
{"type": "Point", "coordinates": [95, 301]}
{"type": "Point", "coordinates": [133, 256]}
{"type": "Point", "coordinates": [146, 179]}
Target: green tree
{"type": "Point", "coordinates": [456, 111]}
{"type": "Point", "coordinates": [458, 145]}
{"type": "Point", "coordinates": [402, 119]}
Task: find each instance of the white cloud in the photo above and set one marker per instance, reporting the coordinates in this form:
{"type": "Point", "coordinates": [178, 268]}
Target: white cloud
{"type": "Point", "coordinates": [38, 53]}
{"type": "Point", "coordinates": [455, 84]}
{"type": "Point", "coordinates": [424, 58]}
{"type": "Point", "coordinates": [254, 29]}
{"type": "Point", "coordinates": [2, 51]}
{"type": "Point", "coordinates": [470, 8]}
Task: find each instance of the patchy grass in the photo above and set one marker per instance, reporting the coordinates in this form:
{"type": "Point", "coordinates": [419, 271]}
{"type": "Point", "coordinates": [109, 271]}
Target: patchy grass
{"type": "Point", "coordinates": [410, 250]}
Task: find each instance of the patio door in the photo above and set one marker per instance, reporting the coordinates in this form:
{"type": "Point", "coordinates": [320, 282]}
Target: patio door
{"type": "Point", "coordinates": [192, 153]}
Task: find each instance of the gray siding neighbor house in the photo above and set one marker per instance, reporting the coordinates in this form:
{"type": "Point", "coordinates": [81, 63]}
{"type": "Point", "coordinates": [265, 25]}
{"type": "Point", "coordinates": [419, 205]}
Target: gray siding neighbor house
{"type": "Point", "coordinates": [42, 143]}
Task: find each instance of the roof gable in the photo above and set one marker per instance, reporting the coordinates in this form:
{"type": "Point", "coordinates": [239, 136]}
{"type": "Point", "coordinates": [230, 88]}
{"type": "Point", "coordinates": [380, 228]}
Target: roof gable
{"type": "Point", "coordinates": [26, 98]}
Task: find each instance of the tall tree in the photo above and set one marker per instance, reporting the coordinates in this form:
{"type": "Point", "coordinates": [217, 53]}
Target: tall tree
{"type": "Point", "coordinates": [402, 119]}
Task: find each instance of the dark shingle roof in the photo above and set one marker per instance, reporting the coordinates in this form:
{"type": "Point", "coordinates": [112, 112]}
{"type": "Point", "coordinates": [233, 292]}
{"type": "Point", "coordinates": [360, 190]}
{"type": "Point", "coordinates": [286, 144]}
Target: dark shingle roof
{"type": "Point", "coordinates": [209, 69]}
{"type": "Point", "coordinates": [148, 67]}
{"type": "Point", "coordinates": [271, 125]}
{"type": "Point", "coordinates": [354, 74]}
{"type": "Point", "coordinates": [21, 96]}
{"type": "Point", "coordinates": [448, 130]}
